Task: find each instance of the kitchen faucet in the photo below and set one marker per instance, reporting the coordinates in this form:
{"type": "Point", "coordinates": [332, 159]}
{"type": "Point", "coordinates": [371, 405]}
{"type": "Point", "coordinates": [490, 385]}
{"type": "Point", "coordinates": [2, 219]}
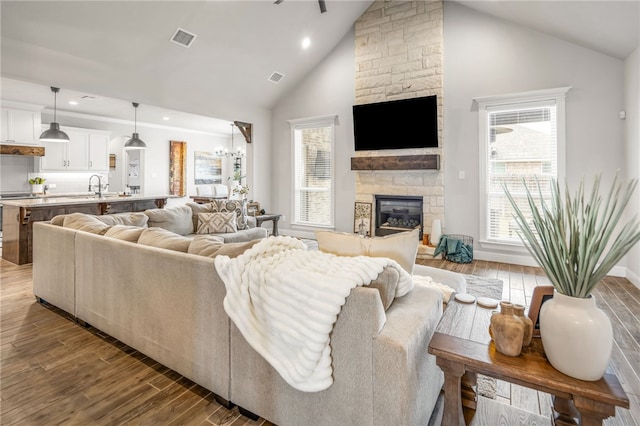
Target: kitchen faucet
{"type": "Point", "coordinates": [99, 185]}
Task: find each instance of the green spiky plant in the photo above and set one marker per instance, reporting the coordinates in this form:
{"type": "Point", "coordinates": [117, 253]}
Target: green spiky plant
{"type": "Point", "coordinates": [570, 238]}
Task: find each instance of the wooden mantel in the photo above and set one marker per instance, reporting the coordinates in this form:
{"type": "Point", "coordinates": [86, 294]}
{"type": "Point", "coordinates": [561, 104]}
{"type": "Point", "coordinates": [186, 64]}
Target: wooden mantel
{"type": "Point", "coordinates": [397, 162]}
{"type": "Point", "coordinates": [34, 151]}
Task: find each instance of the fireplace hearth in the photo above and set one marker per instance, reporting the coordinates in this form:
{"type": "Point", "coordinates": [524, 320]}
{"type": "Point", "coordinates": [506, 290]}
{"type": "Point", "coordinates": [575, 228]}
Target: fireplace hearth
{"type": "Point", "coordinates": [398, 213]}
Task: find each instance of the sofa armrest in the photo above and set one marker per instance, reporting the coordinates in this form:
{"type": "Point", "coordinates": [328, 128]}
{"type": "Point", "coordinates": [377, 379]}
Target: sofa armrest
{"type": "Point", "coordinates": [453, 279]}
{"type": "Point", "coordinates": [401, 361]}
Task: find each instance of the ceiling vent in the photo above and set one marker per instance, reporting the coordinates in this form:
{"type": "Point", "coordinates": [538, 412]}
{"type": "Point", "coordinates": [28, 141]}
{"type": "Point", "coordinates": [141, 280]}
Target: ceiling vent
{"type": "Point", "coordinates": [183, 38]}
{"type": "Point", "coordinates": [275, 77]}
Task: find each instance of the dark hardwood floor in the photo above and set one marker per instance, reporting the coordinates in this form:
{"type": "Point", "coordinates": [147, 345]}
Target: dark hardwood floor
{"type": "Point", "coordinates": [54, 371]}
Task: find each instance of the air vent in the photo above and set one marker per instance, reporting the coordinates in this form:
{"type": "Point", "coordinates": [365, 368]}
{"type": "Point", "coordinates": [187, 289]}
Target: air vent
{"type": "Point", "coordinates": [275, 77]}
{"type": "Point", "coordinates": [183, 38]}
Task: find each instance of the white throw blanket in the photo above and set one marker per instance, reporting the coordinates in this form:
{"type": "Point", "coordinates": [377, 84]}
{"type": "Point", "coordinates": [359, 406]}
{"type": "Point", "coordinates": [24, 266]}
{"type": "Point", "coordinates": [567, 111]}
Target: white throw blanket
{"type": "Point", "coordinates": [285, 300]}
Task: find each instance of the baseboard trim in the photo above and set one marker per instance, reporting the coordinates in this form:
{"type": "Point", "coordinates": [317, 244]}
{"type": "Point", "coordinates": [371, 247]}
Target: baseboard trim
{"type": "Point", "coordinates": [527, 260]}
{"type": "Point", "coordinates": [633, 277]}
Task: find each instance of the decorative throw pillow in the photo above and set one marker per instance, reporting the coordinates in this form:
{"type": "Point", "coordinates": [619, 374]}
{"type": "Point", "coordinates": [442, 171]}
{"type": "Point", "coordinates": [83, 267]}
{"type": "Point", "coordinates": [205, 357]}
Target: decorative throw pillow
{"type": "Point", "coordinates": [401, 247]}
{"type": "Point", "coordinates": [85, 222]}
{"type": "Point", "coordinates": [231, 206]}
{"type": "Point", "coordinates": [125, 232]}
{"type": "Point", "coordinates": [159, 237]}
{"type": "Point", "coordinates": [342, 243]}
{"type": "Point", "coordinates": [196, 209]}
{"type": "Point", "coordinates": [216, 223]}
{"type": "Point", "coordinates": [386, 283]}
{"type": "Point", "coordinates": [174, 219]}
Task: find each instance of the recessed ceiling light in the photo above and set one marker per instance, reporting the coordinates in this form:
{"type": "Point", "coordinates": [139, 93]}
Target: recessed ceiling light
{"type": "Point", "coordinates": [73, 103]}
{"type": "Point", "coordinates": [306, 42]}
{"type": "Point", "coordinates": [165, 118]}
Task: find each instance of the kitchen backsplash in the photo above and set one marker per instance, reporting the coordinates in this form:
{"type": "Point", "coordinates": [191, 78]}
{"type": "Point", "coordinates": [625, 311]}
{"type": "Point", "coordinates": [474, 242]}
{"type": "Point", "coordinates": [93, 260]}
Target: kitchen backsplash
{"type": "Point", "coordinates": [15, 172]}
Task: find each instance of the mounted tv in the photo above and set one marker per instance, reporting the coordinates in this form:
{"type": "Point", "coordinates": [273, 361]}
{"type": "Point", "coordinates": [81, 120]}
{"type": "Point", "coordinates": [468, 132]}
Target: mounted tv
{"type": "Point", "coordinates": [407, 123]}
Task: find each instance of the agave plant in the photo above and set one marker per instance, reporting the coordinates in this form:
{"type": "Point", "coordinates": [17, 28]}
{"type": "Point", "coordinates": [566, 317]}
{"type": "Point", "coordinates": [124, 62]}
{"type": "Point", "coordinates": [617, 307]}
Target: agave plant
{"type": "Point", "coordinates": [573, 240]}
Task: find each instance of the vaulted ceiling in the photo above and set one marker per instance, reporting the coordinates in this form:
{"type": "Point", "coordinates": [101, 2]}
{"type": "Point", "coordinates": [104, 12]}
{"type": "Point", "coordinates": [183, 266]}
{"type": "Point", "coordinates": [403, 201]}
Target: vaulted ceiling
{"type": "Point", "coordinates": [121, 49]}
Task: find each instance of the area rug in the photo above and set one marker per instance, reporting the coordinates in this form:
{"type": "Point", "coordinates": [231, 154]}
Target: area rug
{"type": "Point", "coordinates": [485, 287]}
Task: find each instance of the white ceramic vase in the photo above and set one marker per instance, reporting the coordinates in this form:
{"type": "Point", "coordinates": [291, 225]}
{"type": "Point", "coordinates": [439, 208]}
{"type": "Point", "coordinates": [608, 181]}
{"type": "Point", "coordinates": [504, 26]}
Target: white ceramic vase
{"type": "Point", "coordinates": [436, 232]}
{"type": "Point", "coordinates": [36, 188]}
{"type": "Point", "coordinates": [576, 335]}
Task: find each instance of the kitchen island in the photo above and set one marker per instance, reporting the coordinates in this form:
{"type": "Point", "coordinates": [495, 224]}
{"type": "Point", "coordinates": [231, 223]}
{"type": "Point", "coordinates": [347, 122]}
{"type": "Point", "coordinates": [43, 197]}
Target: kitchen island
{"type": "Point", "coordinates": [18, 217]}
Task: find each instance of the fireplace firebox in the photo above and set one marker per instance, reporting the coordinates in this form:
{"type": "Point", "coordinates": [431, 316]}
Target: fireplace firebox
{"type": "Point", "coordinates": [398, 213]}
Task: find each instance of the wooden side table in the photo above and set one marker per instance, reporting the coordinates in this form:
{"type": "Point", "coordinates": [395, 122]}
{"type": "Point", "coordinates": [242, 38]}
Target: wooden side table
{"type": "Point", "coordinates": [463, 348]}
{"type": "Point", "coordinates": [269, 217]}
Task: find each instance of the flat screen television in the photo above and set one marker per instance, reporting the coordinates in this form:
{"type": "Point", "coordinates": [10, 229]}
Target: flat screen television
{"type": "Point", "coordinates": [406, 123]}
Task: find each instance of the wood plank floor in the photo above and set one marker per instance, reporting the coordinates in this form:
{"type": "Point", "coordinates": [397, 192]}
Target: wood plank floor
{"type": "Point", "coordinates": [54, 371]}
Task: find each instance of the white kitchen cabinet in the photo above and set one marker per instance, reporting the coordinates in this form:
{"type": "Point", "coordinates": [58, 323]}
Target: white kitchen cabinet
{"type": "Point", "coordinates": [20, 123]}
{"type": "Point", "coordinates": [99, 151]}
{"type": "Point", "coordinates": [87, 150]}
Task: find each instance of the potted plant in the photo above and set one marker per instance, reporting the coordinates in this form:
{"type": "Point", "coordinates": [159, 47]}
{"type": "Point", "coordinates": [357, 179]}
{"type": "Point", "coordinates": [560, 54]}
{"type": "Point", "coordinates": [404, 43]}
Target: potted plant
{"type": "Point", "coordinates": [576, 241]}
{"type": "Point", "coordinates": [36, 185]}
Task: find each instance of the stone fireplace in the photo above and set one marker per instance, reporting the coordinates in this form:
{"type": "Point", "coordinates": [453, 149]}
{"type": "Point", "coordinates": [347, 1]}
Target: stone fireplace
{"type": "Point", "coordinates": [398, 55]}
{"type": "Point", "coordinates": [397, 214]}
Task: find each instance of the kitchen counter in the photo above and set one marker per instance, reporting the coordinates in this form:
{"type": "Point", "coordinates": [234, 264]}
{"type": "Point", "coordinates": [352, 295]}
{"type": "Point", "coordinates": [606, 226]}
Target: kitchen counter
{"type": "Point", "coordinates": [18, 216]}
{"type": "Point", "coordinates": [71, 200]}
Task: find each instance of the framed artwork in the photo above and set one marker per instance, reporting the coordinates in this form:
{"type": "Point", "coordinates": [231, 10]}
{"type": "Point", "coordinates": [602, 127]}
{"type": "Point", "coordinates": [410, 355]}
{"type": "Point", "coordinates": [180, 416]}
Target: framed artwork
{"type": "Point", "coordinates": [362, 218]}
{"type": "Point", "coordinates": [207, 168]}
{"type": "Point", "coordinates": [540, 295]}
{"type": "Point", "coordinates": [178, 168]}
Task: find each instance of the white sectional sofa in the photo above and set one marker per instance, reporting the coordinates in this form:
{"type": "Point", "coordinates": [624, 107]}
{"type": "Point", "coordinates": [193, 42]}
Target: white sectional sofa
{"type": "Point", "coordinates": [169, 306]}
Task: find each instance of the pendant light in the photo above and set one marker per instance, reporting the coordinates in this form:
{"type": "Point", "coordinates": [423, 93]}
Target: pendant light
{"type": "Point", "coordinates": [54, 134]}
{"type": "Point", "coordinates": [135, 142]}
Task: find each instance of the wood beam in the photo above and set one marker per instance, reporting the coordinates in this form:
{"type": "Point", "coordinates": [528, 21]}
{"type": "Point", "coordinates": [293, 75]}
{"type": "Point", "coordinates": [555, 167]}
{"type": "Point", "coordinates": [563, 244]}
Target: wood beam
{"type": "Point", "coordinates": [397, 162]}
{"type": "Point", "coordinates": [34, 151]}
{"type": "Point", "coordinates": [246, 129]}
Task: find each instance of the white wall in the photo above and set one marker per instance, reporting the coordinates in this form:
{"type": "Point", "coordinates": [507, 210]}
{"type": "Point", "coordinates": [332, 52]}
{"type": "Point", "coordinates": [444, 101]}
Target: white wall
{"type": "Point", "coordinates": [488, 56]}
{"type": "Point", "coordinates": [329, 89]}
{"type": "Point", "coordinates": [632, 136]}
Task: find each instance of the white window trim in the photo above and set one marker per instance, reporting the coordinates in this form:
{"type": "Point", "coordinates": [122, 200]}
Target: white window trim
{"type": "Point", "coordinates": [485, 105]}
{"type": "Point", "coordinates": [302, 123]}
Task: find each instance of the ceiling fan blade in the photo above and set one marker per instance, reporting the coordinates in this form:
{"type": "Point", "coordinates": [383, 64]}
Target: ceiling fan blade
{"type": "Point", "coordinates": [323, 6]}
{"type": "Point", "coordinates": [278, 1]}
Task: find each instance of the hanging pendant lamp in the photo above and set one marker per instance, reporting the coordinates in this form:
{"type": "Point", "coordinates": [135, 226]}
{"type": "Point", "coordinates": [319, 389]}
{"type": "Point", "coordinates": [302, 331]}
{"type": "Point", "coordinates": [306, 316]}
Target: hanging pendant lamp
{"type": "Point", "coordinates": [135, 142]}
{"type": "Point", "coordinates": [54, 134]}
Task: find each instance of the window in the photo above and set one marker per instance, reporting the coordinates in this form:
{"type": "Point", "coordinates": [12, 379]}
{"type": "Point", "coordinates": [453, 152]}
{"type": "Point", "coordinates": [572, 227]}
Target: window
{"type": "Point", "coordinates": [521, 137]}
{"type": "Point", "coordinates": [313, 198]}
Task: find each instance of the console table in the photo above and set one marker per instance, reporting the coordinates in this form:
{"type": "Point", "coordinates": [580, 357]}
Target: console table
{"type": "Point", "coordinates": [269, 217]}
{"type": "Point", "coordinates": [463, 348]}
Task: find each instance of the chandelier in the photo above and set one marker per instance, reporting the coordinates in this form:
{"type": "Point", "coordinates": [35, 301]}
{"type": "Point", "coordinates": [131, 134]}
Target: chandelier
{"type": "Point", "coordinates": [224, 152]}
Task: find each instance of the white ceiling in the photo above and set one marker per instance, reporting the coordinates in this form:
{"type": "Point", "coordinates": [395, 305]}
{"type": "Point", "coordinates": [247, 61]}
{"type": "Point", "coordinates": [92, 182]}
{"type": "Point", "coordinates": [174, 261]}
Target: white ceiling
{"type": "Point", "coordinates": [608, 26]}
{"type": "Point", "coordinates": [119, 51]}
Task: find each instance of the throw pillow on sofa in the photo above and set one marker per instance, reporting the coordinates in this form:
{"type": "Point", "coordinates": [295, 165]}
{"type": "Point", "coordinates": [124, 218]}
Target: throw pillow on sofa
{"type": "Point", "coordinates": [159, 237]}
{"type": "Point", "coordinates": [217, 223]}
{"type": "Point", "coordinates": [401, 247]}
{"type": "Point", "coordinates": [231, 206]}
{"type": "Point", "coordinates": [125, 232]}
{"type": "Point", "coordinates": [197, 209]}
{"type": "Point", "coordinates": [174, 219]}
{"type": "Point", "coordinates": [85, 222]}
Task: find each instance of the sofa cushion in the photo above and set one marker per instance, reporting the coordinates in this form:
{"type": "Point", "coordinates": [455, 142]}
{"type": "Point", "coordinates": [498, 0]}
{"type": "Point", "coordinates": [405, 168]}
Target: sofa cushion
{"type": "Point", "coordinates": [174, 219]}
{"type": "Point", "coordinates": [162, 238]}
{"type": "Point", "coordinates": [58, 220]}
{"type": "Point", "coordinates": [125, 232]}
{"type": "Point", "coordinates": [401, 247]}
{"type": "Point", "coordinates": [245, 235]}
{"type": "Point", "coordinates": [129, 219]}
{"type": "Point", "coordinates": [386, 283]}
{"type": "Point", "coordinates": [85, 222]}
{"type": "Point", "coordinates": [216, 223]}
{"type": "Point", "coordinates": [231, 206]}
{"type": "Point", "coordinates": [342, 243]}
{"type": "Point", "coordinates": [212, 246]}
